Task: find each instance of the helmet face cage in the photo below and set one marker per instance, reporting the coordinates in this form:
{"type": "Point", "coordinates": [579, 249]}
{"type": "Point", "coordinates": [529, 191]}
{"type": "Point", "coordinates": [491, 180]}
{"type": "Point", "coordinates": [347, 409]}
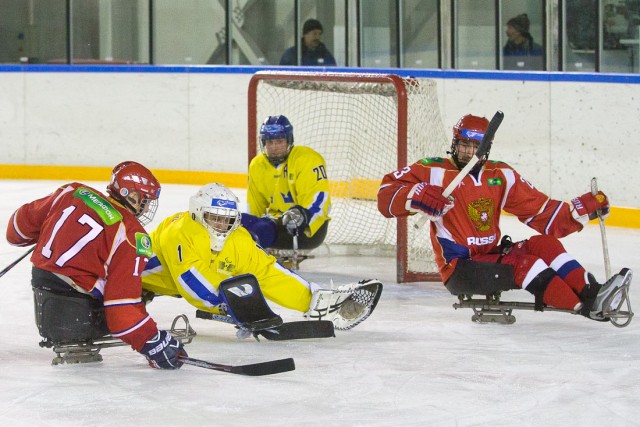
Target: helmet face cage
{"type": "Point", "coordinates": [135, 187]}
{"type": "Point", "coordinates": [276, 127]}
{"type": "Point", "coordinates": [469, 128]}
{"type": "Point", "coordinates": [215, 207]}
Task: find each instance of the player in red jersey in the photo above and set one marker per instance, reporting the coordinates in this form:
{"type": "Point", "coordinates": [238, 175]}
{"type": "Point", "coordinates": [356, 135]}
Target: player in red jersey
{"type": "Point", "coordinates": [89, 254]}
{"type": "Point", "coordinates": [467, 225]}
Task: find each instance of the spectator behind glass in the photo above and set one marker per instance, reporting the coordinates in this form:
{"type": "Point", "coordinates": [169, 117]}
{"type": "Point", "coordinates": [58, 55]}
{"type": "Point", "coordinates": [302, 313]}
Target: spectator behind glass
{"type": "Point", "coordinates": [520, 51]}
{"type": "Point", "coordinates": [314, 52]}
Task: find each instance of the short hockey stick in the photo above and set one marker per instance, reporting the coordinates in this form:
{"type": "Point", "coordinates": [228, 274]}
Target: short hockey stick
{"type": "Point", "coordinates": [304, 329]}
{"type": "Point", "coordinates": [603, 232]}
{"type": "Point", "coordinates": [294, 260]}
{"type": "Point", "coordinates": [253, 369]}
{"type": "Point", "coordinates": [484, 146]}
{"type": "Point", "coordinates": [14, 263]}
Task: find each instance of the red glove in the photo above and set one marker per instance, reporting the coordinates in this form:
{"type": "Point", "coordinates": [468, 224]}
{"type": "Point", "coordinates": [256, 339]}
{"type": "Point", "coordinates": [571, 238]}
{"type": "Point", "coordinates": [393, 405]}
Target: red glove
{"type": "Point", "coordinates": [586, 207]}
{"type": "Point", "coordinates": [428, 199]}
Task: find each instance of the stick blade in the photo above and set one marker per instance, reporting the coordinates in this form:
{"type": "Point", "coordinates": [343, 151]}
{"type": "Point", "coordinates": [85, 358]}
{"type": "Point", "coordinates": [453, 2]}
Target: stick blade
{"type": "Point", "coordinates": [304, 329]}
{"type": "Point", "coordinates": [492, 128]}
{"type": "Point", "coordinates": [265, 368]}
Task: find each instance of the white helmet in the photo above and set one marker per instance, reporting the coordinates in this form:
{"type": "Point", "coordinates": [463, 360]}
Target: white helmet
{"type": "Point", "coordinates": [216, 208]}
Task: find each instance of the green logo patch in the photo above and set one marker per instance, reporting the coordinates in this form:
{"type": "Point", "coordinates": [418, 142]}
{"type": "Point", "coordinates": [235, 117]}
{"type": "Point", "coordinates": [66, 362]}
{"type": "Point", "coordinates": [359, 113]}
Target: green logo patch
{"type": "Point", "coordinates": [143, 245]}
{"type": "Point", "coordinates": [102, 207]}
{"type": "Point", "coordinates": [431, 160]}
{"type": "Point", "coordinates": [495, 181]}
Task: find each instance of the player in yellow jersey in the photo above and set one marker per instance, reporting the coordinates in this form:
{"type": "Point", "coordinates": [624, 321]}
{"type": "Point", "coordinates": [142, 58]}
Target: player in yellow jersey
{"type": "Point", "coordinates": [288, 193]}
{"type": "Point", "coordinates": [196, 250]}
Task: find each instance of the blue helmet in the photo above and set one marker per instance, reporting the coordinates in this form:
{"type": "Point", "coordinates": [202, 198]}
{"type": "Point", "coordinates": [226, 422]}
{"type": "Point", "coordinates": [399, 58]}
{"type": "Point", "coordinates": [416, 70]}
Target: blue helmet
{"type": "Point", "coordinates": [276, 127]}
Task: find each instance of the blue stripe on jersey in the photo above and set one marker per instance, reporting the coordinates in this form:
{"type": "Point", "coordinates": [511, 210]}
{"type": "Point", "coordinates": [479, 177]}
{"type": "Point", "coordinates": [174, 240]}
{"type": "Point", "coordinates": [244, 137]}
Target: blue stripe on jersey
{"type": "Point", "coordinates": [198, 288]}
{"type": "Point", "coordinates": [97, 294]}
{"type": "Point", "coordinates": [567, 268]}
{"type": "Point", "coordinates": [153, 263]}
{"type": "Point", "coordinates": [451, 250]}
{"type": "Point", "coordinates": [316, 206]}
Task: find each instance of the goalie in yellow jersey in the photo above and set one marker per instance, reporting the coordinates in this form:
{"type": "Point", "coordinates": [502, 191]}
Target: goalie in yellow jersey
{"type": "Point", "coordinates": [198, 250]}
{"type": "Point", "coordinates": [288, 193]}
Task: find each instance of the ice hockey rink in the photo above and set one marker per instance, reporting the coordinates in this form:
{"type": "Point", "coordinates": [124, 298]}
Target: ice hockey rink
{"type": "Point", "coordinates": [415, 362]}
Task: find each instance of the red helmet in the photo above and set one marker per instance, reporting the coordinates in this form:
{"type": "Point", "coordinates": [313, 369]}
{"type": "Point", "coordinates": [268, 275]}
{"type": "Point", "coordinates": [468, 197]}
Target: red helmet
{"type": "Point", "coordinates": [135, 187]}
{"type": "Point", "coordinates": [469, 127]}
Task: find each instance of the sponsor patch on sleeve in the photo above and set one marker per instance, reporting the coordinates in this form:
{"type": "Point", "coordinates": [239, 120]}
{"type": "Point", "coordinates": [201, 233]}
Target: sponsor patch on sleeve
{"type": "Point", "coordinates": [143, 245]}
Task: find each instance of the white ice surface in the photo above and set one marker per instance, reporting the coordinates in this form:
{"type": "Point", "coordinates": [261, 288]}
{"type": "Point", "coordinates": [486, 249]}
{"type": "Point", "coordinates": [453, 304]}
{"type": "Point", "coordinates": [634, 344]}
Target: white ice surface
{"type": "Point", "coordinates": [416, 361]}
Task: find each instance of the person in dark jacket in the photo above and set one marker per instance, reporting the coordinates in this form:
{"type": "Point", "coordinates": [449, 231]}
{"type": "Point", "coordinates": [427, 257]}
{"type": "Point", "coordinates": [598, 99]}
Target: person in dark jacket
{"type": "Point", "coordinates": [314, 52]}
{"type": "Point", "coordinates": [520, 41]}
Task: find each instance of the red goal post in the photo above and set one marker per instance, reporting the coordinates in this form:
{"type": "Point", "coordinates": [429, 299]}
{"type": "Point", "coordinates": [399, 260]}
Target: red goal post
{"type": "Point", "coordinates": [364, 125]}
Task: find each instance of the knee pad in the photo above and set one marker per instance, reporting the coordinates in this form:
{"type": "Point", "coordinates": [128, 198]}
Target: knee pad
{"type": "Point", "coordinates": [69, 317]}
{"type": "Point", "coordinates": [545, 246]}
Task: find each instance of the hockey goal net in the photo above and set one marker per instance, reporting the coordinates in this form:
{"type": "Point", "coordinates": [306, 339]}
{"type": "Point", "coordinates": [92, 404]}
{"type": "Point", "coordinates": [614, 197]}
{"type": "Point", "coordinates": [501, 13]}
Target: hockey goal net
{"type": "Point", "coordinates": [365, 126]}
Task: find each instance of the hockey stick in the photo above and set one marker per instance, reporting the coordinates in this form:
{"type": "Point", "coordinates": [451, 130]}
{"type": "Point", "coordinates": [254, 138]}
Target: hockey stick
{"type": "Point", "coordinates": [14, 263]}
{"type": "Point", "coordinates": [484, 146]}
{"type": "Point", "coordinates": [294, 260]}
{"type": "Point", "coordinates": [253, 369]}
{"type": "Point", "coordinates": [603, 233]}
{"type": "Point", "coordinates": [299, 330]}
{"type": "Point", "coordinates": [304, 329]}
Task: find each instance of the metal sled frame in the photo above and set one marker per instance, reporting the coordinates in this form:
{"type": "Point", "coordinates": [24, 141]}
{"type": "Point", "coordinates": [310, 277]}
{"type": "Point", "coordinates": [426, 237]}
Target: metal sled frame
{"type": "Point", "coordinates": [479, 285]}
{"type": "Point", "coordinates": [88, 351]}
{"type": "Point", "coordinates": [491, 309]}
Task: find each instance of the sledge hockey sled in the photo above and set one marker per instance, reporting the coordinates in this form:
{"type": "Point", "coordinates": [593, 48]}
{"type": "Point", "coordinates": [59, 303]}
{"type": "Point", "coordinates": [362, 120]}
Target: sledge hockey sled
{"type": "Point", "coordinates": [479, 286]}
{"type": "Point", "coordinates": [289, 258]}
{"type": "Point", "coordinates": [87, 350]}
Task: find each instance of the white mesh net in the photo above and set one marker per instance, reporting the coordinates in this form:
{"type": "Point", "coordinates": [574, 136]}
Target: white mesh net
{"type": "Point", "coordinates": [354, 126]}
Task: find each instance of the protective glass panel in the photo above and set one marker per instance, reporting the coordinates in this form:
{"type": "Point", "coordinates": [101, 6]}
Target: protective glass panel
{"type": "Point", "coordinates": [32, 31]}
{"type": "Point", "coordinates": [189, 32]}
{"type": "Point", "coordinates": [420, 24]}
{"type": "Point", "coordinates": [580, 35]}
{"type": "Point", "coordinates": [379, 44]}
{"type": "Point", "coordinates": [110, 31]}
{"type": "Point", "coordinates": [261, 31]}
{"type": "Point", "coordinates": [475, 35]}
{"type": "Point", "coordinates": [620, 36]}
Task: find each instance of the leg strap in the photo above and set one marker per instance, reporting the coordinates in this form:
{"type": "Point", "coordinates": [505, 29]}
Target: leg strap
{"type": "Point", "coordinates": [538, 286]}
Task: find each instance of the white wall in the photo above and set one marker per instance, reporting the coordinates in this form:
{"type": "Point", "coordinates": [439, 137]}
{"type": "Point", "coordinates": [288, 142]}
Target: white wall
{"type": "Point", "coordinates": [558, 134]}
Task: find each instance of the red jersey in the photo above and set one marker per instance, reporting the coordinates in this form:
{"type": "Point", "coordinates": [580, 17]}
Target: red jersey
{"type": "Point", "coordinates": [97, 243]}
{"type": "Point", "coordinates": [472, 226]}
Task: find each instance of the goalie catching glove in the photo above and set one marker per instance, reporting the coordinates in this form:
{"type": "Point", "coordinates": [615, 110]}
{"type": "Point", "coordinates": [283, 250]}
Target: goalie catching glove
{"type": "Point", "coordinates": [295, 220]}
{"type": "Point", "coordinates": [163, 350]}
{"type": "Point", "coordinates": [347, 305]}
{"type": "Point", "coordinates": [429, 200]}
{"type": "Point", "coordinates": [586, 207]}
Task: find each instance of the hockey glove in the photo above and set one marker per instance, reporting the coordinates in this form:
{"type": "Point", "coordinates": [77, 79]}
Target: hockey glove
{"type": "Point", "coordinates": [295, 220]}
{"type": "Point", "coordinates": [428, 199]}
{"type": "Point", "coordinates": [162, 351]}
{"type": "Point", "coordinates": [585, 207]}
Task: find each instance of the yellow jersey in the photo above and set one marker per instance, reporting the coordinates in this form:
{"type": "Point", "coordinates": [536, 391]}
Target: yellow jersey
{"type": "Point", "coordinates": [299, 180]}
{"type": "Point", "coordinates": [184, 264]}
